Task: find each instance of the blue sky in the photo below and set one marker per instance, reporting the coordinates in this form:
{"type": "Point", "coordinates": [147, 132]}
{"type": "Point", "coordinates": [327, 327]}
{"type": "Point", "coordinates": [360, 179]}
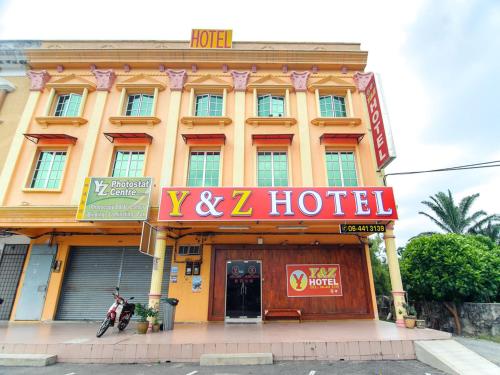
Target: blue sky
{"type": "Point", "coordinates": [439, 62]}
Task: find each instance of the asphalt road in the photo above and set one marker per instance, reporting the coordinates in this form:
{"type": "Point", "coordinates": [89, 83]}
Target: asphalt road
{"type": "Point", "coordinates": [280, 368]}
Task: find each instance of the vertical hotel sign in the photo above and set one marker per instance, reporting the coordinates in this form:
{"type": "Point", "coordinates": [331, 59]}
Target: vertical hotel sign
{"type": "Point", "coordinates": [211, 39]}
{"type": "Point", "coordinates": [379, 122]}
{"type": "Point", "coordinates": [115, 199]}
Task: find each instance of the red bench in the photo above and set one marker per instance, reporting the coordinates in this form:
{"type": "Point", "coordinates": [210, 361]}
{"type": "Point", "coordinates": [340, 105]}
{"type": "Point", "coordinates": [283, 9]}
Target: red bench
{"type": "Point", "coordinates": [283, 313]}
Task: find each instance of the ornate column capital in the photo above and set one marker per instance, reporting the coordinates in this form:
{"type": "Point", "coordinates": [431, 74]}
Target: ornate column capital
{"type": "Point", "coordinates": [361, 80]}
{"type": "Point", "coordinates": [240, 80]}
{"type": "Point", "coordinates": [104, 78]}
{"type": "Point", "coordinates": [299, 80]}
{"type": "Point", "coordinates": [38, 79]}
{"type": "Point", "coordinates": [177, 79]}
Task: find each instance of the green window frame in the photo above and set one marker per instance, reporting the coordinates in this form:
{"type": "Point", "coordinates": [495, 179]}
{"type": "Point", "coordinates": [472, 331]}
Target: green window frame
{"type": "Point", "coordinates": [271, 106]}
{"type": "Point", "coordinates": [48, 170]}
{"type": "Point", "coordinates": [272, 168]}
{"type": "Point", "coordinates": [341, 168]}
{"type": "Point", "coordinates": [139, 105]}
{"type": "Point", "coordinates": [208, 105]}
{"type": "Point", "coordinates": [204, 168]}
{"type": "Point", "coordinates": [68, 105]}
{"type": "Point", "coordinates": [332, 106]}
{"type": "Point", "coordinates": [128, 163]}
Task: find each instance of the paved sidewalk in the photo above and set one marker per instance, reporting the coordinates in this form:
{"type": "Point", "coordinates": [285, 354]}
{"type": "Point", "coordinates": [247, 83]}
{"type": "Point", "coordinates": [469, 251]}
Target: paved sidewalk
{"type": "Point", "coordinates": [487, 349]}
{"type": "Point", "coordinates": [280, 368]}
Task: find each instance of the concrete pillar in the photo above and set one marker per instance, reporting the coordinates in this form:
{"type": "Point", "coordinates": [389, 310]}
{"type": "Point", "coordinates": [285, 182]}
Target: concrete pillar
{"type": "Point", "coordinates": [158, 264]}
{"type": "Point", "coordinates": [395, 274]}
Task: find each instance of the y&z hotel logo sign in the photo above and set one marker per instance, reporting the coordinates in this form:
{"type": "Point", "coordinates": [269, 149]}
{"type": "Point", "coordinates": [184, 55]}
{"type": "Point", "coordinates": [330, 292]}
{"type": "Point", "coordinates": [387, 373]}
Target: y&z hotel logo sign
{"type": "Point", "coordinates": [244, 204]}
{"type": "Point", "coordinates": [313, 280]}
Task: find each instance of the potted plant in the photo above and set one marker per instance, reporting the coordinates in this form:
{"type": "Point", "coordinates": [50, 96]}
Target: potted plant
{"type": "Point", "coordinates": [154, 313]}
{"type": "Point", "coordinates": [143, 312]}
{"type": "Point", "coordinates": [411, 315]}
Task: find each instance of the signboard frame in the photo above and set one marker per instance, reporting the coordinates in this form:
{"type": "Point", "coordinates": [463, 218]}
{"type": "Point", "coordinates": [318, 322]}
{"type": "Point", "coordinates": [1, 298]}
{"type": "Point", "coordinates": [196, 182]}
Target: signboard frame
{"type": "Point", "coordinates": [288, 287]}
{"type": "Point", "coordinates": [83, 209]}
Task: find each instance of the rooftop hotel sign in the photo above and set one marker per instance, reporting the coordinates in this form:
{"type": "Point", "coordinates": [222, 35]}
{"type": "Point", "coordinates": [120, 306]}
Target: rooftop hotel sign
{"type": "Point", "coordinates": [212, 39]}
{"type": "Point", "coordinates": [115, 199]}
{"type": "Point", "coordinates": [278, 203]}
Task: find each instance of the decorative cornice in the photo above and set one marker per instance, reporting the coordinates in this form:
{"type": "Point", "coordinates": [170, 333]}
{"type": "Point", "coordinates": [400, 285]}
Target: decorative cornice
{"type": "Point", "coordinates": [299, 80]}
{"type": "Point", "coordinates": [105, 79]}
{"type": "Point", "coordinates": [38, 79]}
{"type": "Point", "coordinates": [361, 80]}
{"type": "Point", "coordinates": [177, 79]}
{"type": "Point", "coordinates": [240, 80]}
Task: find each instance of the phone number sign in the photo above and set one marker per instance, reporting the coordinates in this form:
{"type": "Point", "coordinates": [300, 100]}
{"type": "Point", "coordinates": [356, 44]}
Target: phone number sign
{"type": "Point", "coordinates": [313, 280]}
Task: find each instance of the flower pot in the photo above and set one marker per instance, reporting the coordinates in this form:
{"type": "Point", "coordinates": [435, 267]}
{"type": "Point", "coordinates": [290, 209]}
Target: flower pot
{"type": "Point", "coordinates": [156, 327]}
{"type": "Point", "coordinates": [142, 327]}
{"type": "Point", "coordinates": [420, 323]}
{"type": "Point", "coordinates": [410, 321]}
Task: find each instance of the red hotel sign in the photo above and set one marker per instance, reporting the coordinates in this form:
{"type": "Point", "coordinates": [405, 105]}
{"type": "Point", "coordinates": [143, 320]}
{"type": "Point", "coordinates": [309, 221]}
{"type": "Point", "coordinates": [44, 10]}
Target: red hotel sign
{"type": "Point", "coordinates": [313, 280]}
{"type": "Point", "coordinates": [248, 204]}
{"type": "Point", "coordinates": [382, 140]}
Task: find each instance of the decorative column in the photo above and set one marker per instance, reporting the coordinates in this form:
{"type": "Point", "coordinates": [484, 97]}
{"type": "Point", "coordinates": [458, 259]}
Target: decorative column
{"type": "Point", "coordinates": [158, 264]}
{"type": "Point", "coordinates": [395, 274]}
{"type": "Point", "coordinates": [37, 84]}
{"type": "Point", "coordinates": [299, 81]}
{"type": "Point", "coordinates": [105, 80]}
{"type": "Point", "coordinates": [177, 81]}
{"type": "Point", "coordinates": [240, 81]}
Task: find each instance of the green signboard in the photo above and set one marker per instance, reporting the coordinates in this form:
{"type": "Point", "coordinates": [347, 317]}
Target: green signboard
{"type": "Point", "coordinates": [115, 199]}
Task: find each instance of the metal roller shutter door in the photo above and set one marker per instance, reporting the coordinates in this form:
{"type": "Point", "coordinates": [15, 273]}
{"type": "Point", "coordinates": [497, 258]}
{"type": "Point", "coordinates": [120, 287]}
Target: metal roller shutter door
{"type": "Point", "coordinates": [92, 274]}
{"type": "Point", "coordinates": [11, 265]}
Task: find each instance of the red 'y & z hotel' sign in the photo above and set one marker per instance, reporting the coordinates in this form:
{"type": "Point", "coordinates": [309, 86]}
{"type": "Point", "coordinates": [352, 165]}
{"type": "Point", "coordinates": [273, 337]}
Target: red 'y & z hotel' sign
{"type": "Point", "coordinates": [381, 132]}
{"type": "Point", "coordinates": [313, 280]}
{"type": "Point", "coordinates": [248, 204]}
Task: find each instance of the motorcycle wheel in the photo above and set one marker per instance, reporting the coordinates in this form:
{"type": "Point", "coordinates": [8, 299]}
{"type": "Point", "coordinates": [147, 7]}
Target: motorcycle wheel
{"type": "Point", "coordinates": [124, 323]}
{"type": "Point", "coordinates": [104, 326]}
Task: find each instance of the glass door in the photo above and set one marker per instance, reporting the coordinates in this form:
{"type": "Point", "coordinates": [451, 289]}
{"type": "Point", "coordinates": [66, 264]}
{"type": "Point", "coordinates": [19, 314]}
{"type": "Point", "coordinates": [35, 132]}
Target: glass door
{"type": "Point", "coordinates": [243, 291]}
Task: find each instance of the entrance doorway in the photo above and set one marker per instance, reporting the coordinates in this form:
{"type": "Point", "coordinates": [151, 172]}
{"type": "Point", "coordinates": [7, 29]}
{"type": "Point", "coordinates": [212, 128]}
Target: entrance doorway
{"type": "Point", "coordinates": [243, 291]}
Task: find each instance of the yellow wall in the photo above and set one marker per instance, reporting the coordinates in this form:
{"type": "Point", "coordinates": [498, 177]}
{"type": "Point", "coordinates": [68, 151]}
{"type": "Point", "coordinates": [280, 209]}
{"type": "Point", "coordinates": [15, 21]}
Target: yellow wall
{"type": "Point", "coordinates": [192, 307]}
{"type": "Point", "coordinates": [10, 113]}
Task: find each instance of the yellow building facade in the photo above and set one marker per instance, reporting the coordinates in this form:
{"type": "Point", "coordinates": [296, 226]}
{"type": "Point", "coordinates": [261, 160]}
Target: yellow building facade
{"type": "Point", "coordinates": [257, 115]}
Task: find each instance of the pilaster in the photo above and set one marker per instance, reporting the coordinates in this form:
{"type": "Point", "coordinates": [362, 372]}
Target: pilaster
{"type": "Point", "coordinates": [157, 273]}
{"type": "Point", "coordinates": [177, 80]}
{"type": "Point", "coordinates": [105, 79]}
{"type": "Point", "coordinates": [240, 81]}
{"type": "Point", "coordinates": [299, 81]}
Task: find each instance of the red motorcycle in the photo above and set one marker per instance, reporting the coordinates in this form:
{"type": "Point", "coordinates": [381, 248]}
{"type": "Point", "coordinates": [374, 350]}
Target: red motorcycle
{"type": "Point", "coordinates": [120, 311]}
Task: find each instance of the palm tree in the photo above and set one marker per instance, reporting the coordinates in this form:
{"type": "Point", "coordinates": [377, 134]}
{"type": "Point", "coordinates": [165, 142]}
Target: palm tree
{"type": "Point", "coordinates": [456, 219]}
{"type": "Point", "coordinates": [490, 229]}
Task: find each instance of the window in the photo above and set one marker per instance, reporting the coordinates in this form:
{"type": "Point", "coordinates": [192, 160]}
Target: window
{"type": "Point", "coordinates": [272, 168]}
{"type": "Point", "coordinates": [204, 168]}
{"type": "Point", "coordinates": [139, 105]}
{"type": "Point", "coordinates": [68, 105]}
{"type": "Point", "coordinates": [332, 106]}
{"type": "Point", "coordinates": [128, 164]}
{"type": "Point", "coordinates": [271, 106]}
{"type": "Point", "coordinates": [208, 105]}
{"type": "Point", "coordinates": [189, 250]}
{"type": "Point", "coordinates": [48, 170]}
{"type": "Point", "coordinates": [341, 169]}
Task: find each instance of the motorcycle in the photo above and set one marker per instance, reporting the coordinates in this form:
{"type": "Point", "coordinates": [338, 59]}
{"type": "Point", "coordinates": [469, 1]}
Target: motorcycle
{"type": "Point", "coordinates": [120, 311]}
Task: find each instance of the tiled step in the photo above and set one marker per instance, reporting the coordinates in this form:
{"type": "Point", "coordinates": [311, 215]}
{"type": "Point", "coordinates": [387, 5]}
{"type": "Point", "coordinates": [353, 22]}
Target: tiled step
{"type": "Point", "coordinates": [35, 360]}
{"type": "Point", "coordinates": [236, 359]}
